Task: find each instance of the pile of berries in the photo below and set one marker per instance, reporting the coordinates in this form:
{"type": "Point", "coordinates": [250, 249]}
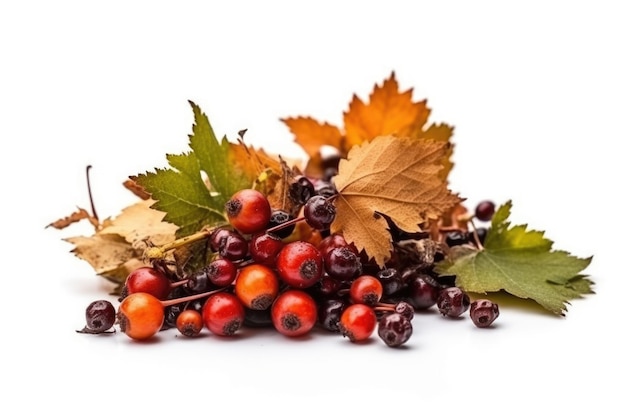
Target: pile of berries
{"type": "Point", "coordinates": [260, 275]}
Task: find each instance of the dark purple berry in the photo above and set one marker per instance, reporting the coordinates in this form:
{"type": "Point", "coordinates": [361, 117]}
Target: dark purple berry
{"type": "Point", "coordinates": [457, 238]}
{"type": "Point", "coordinates": [100, 316]}
{"type": "Point", "coordinates": [452, 302]}
{"type": "Point", "coordinates": [342, 263]}
{"type": "Point", "coordinates": [423, 291]}
{"type": "Point", "coordinates": [277, 218]}
{"type": "Point", "coordinates": [391, 280]}
{"type": "Point", "coordinates": [329, 313]}
{"type": "Point", "coordinates": [484, 312]}
{"type": "Point", "coordinates": [394, 329]}
{"type": "Point", "coordinates": [319, 213]}
{"type": "Point", "coordinates": [484, 210]}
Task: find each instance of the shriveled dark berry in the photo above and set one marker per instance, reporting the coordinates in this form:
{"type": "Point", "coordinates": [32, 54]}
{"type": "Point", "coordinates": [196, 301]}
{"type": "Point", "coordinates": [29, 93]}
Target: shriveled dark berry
{"type": "Point", "coordinates": [405, 309]}
{"type": "Point", "coordinates": [394, 329]}
{"type": "Point", "coordinates": [453, 302]}
{"type": "Point", "coordinates": [100, 316]}
{"type": "Point", "coordinates": [484, 312]}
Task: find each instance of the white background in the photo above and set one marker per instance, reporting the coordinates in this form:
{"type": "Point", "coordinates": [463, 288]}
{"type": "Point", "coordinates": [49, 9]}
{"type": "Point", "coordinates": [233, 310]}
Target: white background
{"type": "Point", "coordinates": [535, 92]}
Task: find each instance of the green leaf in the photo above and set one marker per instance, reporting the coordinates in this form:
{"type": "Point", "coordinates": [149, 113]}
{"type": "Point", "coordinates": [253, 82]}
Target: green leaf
{"type": "Point", "coordinates": [520, 262]}
{"type": "Point", "coordinates": [189, 200]}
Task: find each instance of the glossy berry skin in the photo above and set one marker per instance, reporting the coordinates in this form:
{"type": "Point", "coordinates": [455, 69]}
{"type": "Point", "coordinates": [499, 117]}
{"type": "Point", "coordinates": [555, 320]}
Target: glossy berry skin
{"type": "Point", "coordinates": [223, 314]}
{"type": "Point", "coordinates": [248, 211]}
{"type": "Point", "coordinates": [453, 302]}
{"type": "Point", "coordinates": [357, 322]}
{"type": "Point", "coordinates": [300, 264]}
{"type": "Point", "coordinates": [485, 210]}
{"type": "Point", "coordinates": [484, 312]}
{"type": "Point", "coordinates": [149, 280]}
{"type": "Point", "coordinates": [221, 272]}
{"type": "Point", "coordinates": [294, 313]}
{"type": "Point", "coordinates": [189, 323]}
{"type": "Point", "coordinates": [140, 315]}
{"type": "Point", "coordinates": [100, 316]}
{"type": "Point", "coordinates": [394, 329]}
{"type": "Point", "coordinates": [366, 289]}
{"type": "Point", "coordinates": [342, 263]}
{"type": "Point", "coordinates": [422, 292]}
{"type": "Point", "coordinates": [319, 213]}
{"type": "Point", "coordinates": [233, 246]}
{"type": "Point", "coordinates": [264, 247]}
{"type": "Point", "coordinates": [256, 286]}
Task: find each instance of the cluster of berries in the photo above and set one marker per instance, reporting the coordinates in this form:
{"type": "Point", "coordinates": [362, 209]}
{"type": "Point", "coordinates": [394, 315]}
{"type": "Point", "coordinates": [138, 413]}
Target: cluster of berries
{"type": "Point", "coordinates": [260, 275]}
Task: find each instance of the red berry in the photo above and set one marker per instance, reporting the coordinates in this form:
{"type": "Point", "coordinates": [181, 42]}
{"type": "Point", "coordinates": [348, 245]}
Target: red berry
{"type": "Point", "coordinates": [264, 248]}
{"type": "Point", "coordinates": [149, 280]}
{"type": "Point", "coordinates": [189, 322]}
{"type": "Point", "coordinates": [223, 314]}
{"type": "Point", "coordinates": [221, 272]}
{"type": "Point", "coordinates": [366, 289]}
{"type": "Point", "coordinates": [248, 211]}
{"type": "Point", "coordinates": [140, 315]}
{"type": "Point", "coordinates": [357, 322]}
{"type": "Point", "coordinates": [300, 264]}
{"type": "Point", "coordinates": [256, 286]}
{"type": "Point", "coordinates": [294, 313]}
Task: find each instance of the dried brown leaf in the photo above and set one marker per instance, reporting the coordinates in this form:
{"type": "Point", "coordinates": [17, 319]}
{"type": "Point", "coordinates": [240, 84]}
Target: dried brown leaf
{"type": "Point", "coordinates": [396, 176]}
{"type": "Point", "coordinates": [78, 215]}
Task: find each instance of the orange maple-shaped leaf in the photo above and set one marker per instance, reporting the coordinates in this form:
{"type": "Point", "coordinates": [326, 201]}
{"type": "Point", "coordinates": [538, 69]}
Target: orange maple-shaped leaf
{"type": "Point", "coordinates": [311, 134]}
{"type": "Point", "coordinates": [389, 112]}
{"type": "Point", "coordinates": [397, 176]}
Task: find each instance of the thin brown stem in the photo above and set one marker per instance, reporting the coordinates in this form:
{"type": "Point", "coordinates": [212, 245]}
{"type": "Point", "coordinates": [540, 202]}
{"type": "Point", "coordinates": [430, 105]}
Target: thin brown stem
{"type": "Point", "coordinates": [93, 206]}
{"type": "Point", "coordinates": [193, 297]}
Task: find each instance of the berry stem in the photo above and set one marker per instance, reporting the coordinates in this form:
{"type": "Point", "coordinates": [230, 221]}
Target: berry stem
{"type": "Point", "coordinates": [193, 297]}
{"type": "Point", "coordinates": [285, 224]}
{"type": "Point", "coordinates": [475, 235]}
{"type": "Point", "coordinates": [93, 206]}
